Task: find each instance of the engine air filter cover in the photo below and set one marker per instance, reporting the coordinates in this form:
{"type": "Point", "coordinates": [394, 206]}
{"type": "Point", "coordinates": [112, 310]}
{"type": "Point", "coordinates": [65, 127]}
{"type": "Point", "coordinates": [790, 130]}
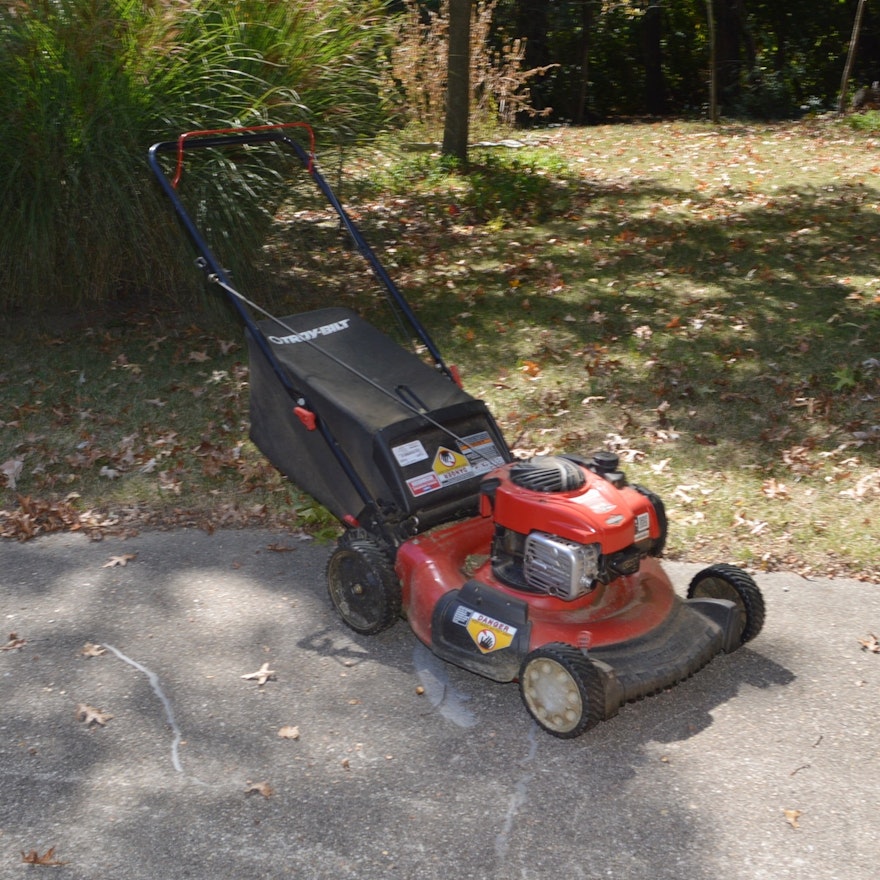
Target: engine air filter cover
{"type": "Point", "coordinates": [559, 567]}
{"type": "Point", "coordinates": [547, 473]}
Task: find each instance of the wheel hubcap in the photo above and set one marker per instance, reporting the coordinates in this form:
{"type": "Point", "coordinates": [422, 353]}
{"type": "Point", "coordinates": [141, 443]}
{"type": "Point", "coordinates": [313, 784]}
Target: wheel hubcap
{"type": "Point", "coordinates": [553, 694]}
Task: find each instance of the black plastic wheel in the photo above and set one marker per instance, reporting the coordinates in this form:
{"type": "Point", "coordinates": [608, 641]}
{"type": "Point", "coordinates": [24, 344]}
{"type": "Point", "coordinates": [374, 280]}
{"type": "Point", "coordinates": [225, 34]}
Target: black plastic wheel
{"type": "Point", "coordinates": [563, 691]}
{"type": "Point", "coordinates": [729, 582]}
{"type": "Point", "coordinates": [363, 587]}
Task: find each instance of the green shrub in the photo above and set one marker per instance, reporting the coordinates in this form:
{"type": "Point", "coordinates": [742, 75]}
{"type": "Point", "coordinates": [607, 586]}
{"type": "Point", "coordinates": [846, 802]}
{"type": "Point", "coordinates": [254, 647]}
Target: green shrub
{"type": "Point", "coordinates": [767, 94]}
{"type": "Point", "coordinates": [87, 85]}
{"type": "Point", "coordinates": [868, 121]}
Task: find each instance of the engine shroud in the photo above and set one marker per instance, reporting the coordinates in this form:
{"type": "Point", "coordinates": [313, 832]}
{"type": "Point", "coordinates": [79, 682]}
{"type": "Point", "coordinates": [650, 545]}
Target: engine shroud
{"type": "Point", "coordinates": [564, 525]}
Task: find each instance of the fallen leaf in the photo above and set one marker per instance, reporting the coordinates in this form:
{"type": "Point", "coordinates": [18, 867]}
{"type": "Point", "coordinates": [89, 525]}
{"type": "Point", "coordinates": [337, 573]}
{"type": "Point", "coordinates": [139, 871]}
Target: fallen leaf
{"type": "Point", "coordinates": [108, 472]}
{"type": "Point", "coordinates": [47, 860]}
{"type": "Point", "coordinates": [280, 548]}
{"type": "Point", "coordinates": [14, 643]}
{"type": "Point", "coordinates": [289, 731]}
{"type": "Point", "coordinates": [11, 470]}
{"type": "Point", "coordinates": [121, 561]}
{"type": "Point", "coordinates": [261, 676]}
{"type": "Point", "coordinates": [772, 489]}
{"type": "Point", "coordinates": [791, 816]}
{"type": "Point", "coordinates": [262, 788]}
{"type": "Point", "coordinates": [168, 482]}
{"type": "Point", "coordinates": [90, 715]}
{"type": "Point", "coordinates": [199, 357]}
{"type": "Point", "coordinates": [869, 644]}
{"type": "Point", "coordinates": [90, 650]}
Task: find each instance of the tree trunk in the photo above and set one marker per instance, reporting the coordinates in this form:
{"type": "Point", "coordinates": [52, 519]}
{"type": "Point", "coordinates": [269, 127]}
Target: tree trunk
{"type": "Point", "coordinates": [850, 57]}
{"type": "Point", "coordinates": [730, 37]}
{"type": "Point", "coordinates": [655, 88]}
{"type": "Point", "coordinates": [458, 86]}
{"type": "Point", "coordinates": [580, 115]}
{"type": "Point", "coordinates": [713, 65]}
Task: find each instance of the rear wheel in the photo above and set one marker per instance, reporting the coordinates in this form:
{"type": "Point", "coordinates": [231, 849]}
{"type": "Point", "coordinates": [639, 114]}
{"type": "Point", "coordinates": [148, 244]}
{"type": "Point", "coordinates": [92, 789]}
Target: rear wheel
{"type": "Point", "coordinates": [563, 691]}
{"type": "Point", "coordinates": [729, 582]}
{"type": "Point", "coordinates": [363, 586]}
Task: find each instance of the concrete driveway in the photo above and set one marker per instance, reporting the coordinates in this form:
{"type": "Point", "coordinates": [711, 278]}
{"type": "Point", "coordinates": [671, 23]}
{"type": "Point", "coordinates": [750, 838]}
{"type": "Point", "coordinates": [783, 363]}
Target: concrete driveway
{"type": "Point", "coordinates": [764, 765]}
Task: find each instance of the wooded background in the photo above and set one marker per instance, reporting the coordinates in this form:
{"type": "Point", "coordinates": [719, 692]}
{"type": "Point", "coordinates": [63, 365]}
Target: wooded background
{"type": "Point", "coordinates": [773, 58]}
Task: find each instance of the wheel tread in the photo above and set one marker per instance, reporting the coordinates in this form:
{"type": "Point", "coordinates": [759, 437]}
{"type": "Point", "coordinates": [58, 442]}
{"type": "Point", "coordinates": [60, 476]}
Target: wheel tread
{"type": "Point", "coordinates": [746, 589]}
{"type": "Point", "coordinates": [375, 560]}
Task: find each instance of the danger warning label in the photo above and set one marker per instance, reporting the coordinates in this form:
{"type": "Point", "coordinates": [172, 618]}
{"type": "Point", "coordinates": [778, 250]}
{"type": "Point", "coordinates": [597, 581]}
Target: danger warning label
{"type": "Point", "coordinates": [477, 455]}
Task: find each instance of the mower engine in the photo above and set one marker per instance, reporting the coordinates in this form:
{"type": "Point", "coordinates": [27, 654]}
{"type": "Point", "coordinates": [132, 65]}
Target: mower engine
{"type": "Point", "coordinates": [564, 525]}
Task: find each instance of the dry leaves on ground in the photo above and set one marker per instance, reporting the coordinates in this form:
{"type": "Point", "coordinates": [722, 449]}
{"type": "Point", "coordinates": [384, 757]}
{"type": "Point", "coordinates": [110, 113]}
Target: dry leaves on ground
{"type": "Point", "coordinates": [34, 516]}
{"type": "Point", "coordinates": [262, 788]}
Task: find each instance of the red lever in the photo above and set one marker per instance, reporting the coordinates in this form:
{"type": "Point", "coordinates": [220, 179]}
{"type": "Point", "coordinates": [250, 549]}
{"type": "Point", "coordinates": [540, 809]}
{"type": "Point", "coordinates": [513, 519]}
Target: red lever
{"type": "Point", "coordinates": [307, 417]}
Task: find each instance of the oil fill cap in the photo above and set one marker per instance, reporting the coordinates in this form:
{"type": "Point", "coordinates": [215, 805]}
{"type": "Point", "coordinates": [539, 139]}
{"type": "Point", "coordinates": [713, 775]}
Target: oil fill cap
{"type": "Point", "coordinates": [605, 462]}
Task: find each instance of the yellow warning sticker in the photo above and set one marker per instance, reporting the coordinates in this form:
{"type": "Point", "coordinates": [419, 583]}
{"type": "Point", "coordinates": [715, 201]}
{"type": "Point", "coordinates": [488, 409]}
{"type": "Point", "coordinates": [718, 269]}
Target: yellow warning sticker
{"type": "Point", "coordinates": [489, 634]}
{"type": "Point", "coordinates": [447, 460]}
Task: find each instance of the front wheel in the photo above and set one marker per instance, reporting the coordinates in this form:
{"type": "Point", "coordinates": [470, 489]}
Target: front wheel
{"type": "Point", "coordinates": [563, 691]}
{"type": "Point", "coordinates": [729, 582]}
{"type": "Point", "coordinates": [363, 586]}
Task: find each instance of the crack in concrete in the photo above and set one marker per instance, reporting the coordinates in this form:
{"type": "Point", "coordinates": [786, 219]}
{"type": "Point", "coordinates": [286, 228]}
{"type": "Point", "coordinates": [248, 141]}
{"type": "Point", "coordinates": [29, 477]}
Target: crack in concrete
{"type": "Point", "coordinates": [517, 799]}
{"type": "Point", "coordinates": [166, 703]}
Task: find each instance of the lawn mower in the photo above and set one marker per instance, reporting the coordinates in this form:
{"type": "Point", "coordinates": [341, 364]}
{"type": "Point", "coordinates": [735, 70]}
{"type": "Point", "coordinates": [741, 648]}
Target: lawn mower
{"type": "Point", "coordinates": [543, 571]}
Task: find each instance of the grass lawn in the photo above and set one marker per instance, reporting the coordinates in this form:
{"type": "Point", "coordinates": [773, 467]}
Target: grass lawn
{"type": "Point", "coordinates": [704, 301]}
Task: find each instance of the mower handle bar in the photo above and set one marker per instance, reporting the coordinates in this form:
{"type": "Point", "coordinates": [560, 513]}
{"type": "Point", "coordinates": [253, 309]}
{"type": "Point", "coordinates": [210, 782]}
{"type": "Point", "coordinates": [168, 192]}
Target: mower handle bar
{"type": "Point", "coordinates": [265, 134]}
{"type": "Point", "coordinates": [178, 172]}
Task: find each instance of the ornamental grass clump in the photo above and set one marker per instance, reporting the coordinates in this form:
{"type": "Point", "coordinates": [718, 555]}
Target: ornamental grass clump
{"type": "Point", "coordinates": [87, 85]}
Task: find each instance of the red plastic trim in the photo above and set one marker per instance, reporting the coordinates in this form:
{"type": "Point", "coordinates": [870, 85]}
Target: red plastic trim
{"type": "Point", "coordinates": [307, 417]}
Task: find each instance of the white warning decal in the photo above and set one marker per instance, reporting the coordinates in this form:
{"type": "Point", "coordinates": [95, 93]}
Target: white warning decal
{"type": "Point", "coordinates": [481, 452]}
{"type": "Point", "coordinates": [410, 453]}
